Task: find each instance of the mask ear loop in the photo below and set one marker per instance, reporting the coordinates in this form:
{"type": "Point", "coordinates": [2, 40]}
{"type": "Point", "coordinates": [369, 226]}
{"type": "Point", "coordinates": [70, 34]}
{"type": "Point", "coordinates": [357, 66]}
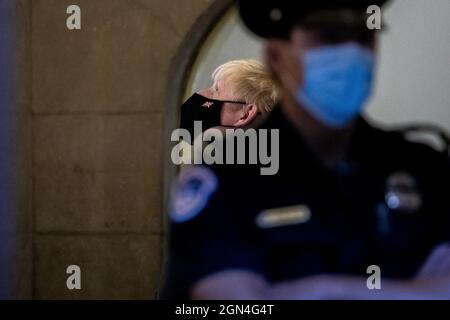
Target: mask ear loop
{"type": "Point", "coordinates": [231, 101]}
{"type": "Point", "coordinates": [259, 113]}
{"type": "Point", "coordinates": [236, 102]}
{"type": "Point", "coordinates": [221, 101]}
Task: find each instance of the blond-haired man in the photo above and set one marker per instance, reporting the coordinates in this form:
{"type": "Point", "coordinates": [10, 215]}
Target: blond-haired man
{"type": "Point", "coordinates": [242, 94]}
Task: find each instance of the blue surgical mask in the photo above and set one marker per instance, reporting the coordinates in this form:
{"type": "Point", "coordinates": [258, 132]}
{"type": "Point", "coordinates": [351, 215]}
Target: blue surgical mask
{"type": "Point", "coordinates": [337, 82]}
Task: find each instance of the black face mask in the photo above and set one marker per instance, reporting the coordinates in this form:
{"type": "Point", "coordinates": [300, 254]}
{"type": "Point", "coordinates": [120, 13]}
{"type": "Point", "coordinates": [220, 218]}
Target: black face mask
{"type": "Point", "coordinates": [200, 108]}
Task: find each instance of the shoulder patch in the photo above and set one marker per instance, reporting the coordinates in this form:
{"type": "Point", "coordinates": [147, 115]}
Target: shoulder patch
{"type": "Point", "coordinates": [191, 193]}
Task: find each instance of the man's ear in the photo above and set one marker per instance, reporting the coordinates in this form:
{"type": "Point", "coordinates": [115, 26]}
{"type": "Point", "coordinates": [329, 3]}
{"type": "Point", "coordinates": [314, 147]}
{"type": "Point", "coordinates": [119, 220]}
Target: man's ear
{"type": "Point", "coordinates": [250, 112]}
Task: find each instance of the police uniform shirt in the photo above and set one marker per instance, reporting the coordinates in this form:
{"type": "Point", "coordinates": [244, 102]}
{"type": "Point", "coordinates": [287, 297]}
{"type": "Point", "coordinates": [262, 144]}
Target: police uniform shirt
{"type": "Point", "coordinates": [387, 205]}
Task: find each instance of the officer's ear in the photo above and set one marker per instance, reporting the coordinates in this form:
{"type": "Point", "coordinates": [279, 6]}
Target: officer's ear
{"type": "Point", "coordinates": [283, 62]}
{"type": "Point", "coordinates": [273, 56]}
{"type": "Point", "coordinates": [249, 114]}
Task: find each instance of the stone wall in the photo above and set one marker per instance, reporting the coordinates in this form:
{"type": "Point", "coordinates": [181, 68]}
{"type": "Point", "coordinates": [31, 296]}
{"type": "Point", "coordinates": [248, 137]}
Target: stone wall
{"type": "Point", "coordinates": [90, 112]}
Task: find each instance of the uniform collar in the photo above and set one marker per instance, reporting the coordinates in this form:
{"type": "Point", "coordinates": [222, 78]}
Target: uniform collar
{"type": "Point", "coordinates": [366, 144]}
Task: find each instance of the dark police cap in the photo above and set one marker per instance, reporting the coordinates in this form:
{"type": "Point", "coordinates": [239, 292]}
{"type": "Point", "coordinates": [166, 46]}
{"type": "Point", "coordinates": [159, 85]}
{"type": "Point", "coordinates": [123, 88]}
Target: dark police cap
{"type": "Point", "coordinates": [274, 18]}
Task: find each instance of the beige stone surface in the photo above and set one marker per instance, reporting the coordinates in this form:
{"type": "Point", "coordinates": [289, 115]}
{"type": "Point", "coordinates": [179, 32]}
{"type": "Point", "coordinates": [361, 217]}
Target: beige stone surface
{"type": "Point", "coordinates": [112, 267]}
{"type": "Point", "coordinates": [177, 15]}
{"type": "Point", "coordinates": [117, 62]}
{"type": "Point", "coordinates": [88, 111]}
{"type": "Point", "coordinates": [98, 173]}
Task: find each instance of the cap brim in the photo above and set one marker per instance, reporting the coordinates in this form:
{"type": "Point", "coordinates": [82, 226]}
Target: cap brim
{"type": "Point", "coordinates": [274, 18]}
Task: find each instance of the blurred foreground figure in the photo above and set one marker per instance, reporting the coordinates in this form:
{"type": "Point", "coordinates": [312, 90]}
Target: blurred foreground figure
{"type": "Point", "coordinates": [348, 197]}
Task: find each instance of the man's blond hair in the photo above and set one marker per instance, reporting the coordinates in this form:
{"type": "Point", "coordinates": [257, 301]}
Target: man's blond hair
{"type": "Point", "coordinates": [251, 82]}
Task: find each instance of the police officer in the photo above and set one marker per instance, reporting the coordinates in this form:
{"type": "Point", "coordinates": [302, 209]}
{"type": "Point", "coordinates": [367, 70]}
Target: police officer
{"type": "Point", "coordinates": [348, 197]}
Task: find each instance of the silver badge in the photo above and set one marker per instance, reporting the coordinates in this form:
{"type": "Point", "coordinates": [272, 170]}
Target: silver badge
{"type": "Point", "coordinates": [281, 217]}
{"type": "Point", "coordinates": [402, 194]}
